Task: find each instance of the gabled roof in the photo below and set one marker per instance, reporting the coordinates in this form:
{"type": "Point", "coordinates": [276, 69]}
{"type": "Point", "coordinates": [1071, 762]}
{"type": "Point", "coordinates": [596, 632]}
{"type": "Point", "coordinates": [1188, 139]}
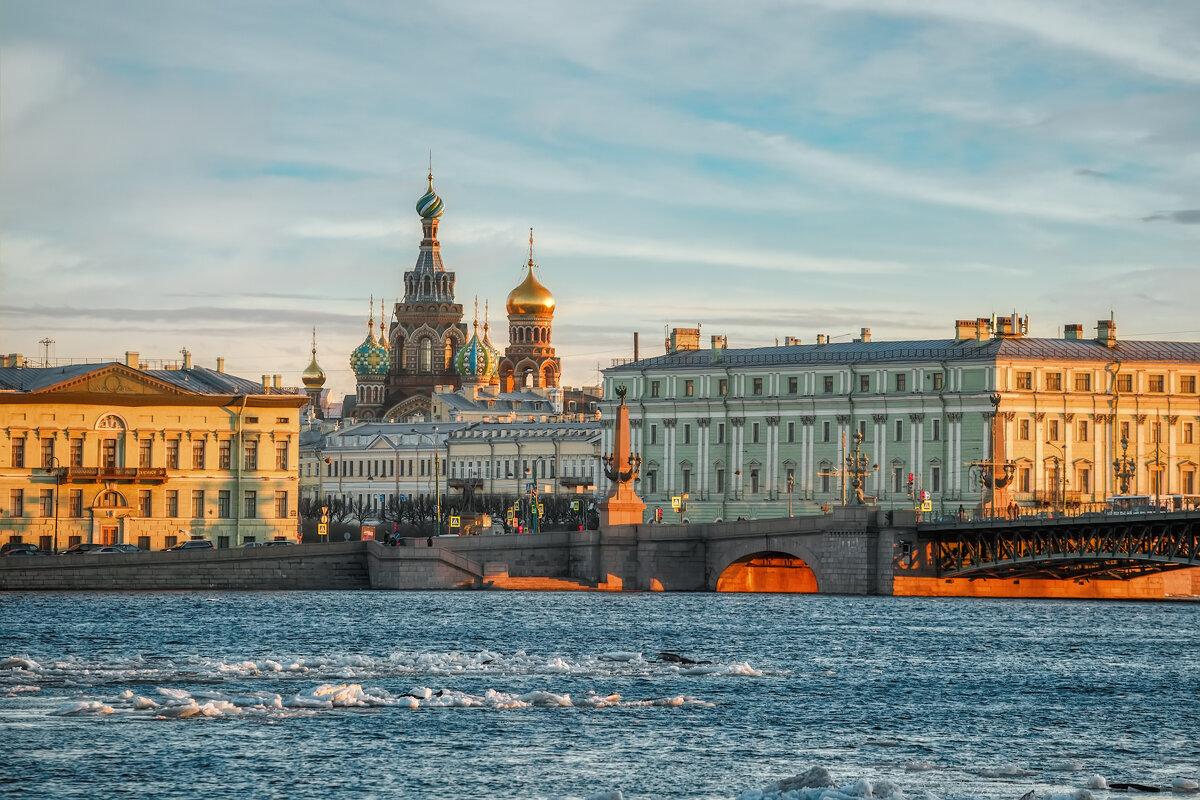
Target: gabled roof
{"type": "Point", "coordinates": [196, 380]}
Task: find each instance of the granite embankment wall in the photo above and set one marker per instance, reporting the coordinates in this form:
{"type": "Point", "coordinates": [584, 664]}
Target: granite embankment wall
{"type": "Point", "coordinates": [341, 565]}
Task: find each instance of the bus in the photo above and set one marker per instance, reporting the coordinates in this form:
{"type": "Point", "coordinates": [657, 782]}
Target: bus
{"type": "Point", "coordinates": [1150, 503]}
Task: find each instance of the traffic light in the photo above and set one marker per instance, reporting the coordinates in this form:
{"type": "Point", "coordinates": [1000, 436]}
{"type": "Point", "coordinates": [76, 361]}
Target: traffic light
{"type": "Point", "coordinates": [658, 515]}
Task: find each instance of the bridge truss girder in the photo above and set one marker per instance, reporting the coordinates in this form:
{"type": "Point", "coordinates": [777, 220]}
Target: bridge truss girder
{"type": "Point", "coordinates": [1068, 549]}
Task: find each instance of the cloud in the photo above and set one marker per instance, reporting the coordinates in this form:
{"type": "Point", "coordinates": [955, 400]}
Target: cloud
{"type": "Point", "coordinates": [1189, 216]}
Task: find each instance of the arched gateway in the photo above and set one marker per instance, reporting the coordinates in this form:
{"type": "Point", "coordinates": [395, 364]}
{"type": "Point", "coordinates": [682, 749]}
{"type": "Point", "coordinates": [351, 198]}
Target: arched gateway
{"type": "Point", "coordinates": [768, 572]}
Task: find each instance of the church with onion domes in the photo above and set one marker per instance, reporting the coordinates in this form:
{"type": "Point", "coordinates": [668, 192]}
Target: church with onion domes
{"type": "Point", "coordinates": [425, 348]}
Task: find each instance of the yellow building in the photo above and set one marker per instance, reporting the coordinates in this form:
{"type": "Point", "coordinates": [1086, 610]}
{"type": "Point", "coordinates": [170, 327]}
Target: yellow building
{"type": "Point", "coordinates": [117, 453]}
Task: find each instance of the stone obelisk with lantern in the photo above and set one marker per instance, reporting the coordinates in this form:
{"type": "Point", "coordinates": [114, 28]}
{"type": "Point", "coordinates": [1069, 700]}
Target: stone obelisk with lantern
{"type": "Point", "coordinates": [622, 506]}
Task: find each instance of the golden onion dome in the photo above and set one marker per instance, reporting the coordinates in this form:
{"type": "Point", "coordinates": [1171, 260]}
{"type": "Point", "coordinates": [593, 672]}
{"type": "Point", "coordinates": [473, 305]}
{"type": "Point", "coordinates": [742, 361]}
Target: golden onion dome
{"type": "Point", "coordinates": [313, 376]}
{"type": "Point", "coordinates": [530, 298]}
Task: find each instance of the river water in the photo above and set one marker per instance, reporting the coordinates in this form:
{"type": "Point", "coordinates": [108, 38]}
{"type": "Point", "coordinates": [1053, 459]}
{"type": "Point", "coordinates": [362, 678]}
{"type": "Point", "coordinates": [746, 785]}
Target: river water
{"type": "Point", "coordinates": [564, 695]}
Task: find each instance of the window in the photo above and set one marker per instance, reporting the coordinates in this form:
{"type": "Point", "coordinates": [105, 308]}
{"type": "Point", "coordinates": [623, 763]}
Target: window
{"type": "Point", "coordinates": [281, 456]}
{"type": "Point", "coordinates": [223, 503]}
{"type": "Point", "coordinates": [47, 502]}
{"type": "Point", "coordinates": [754, 481]}
{"type": "Point", "coordinates": [827, 382]}
{"type": "Point", "coordinates": [899, 430]}
{"type": "Point", "coordinates": [687, 480]}
{"type": "Point", "coordinates": [144, 502]}
{"type": "Point", "coordinates": [1156, 383]}
{"type": "Point", "coordinates": [172, 453]}
{"type": "Point", "coordinates": [109, 453]}
{"type": "Point", "coordinates": [897, 479]}
{"type": "Point", "coordinates": [1189, 482]}
{"type": "Point", "coordinates": [1023, 479]}
{"type": "Point", "coordinates": [1085, 481]}
{"type": "Point", "coordinates": [723, 386]}
{"type": "Point", "coordinates": [653, 434]}
{"type": "Point", "coordinates": [225, 454]}
{"type": "Point", "coordinates": [825, 431]}
{"type": "Point", "coordinates": [793, 385]}
{"type": "Point", "coordinates": [1054, 381]}
{"type": "Point", "coordinates": [1124, 430]}
{"type": "Point", "coordinates": [754, 433]}
{"type": "Point", "coordinates": [1052, 429]}
{"type": "Point", "coordinates": [720, 480]}
{"type": "Point", "coordinates": [75, 504]}
{"type": "Point", "coordinates": [281, 505]}
{"type": "Point", "coordinates": [791, 431]}
{"type": "Point", "coordinates": [1187, 384]}
{"type": "Point", "coordinates": [172, 503]}
{"type": "Point", "coordinates": [252, 420]}
{"type": "Point", "coordinates": [901, 382]}
{"type": "Point", "coordinates": [937, 381]}
{"type": "Point", "coordinates": [16, 501]}
{"type": "Point", "coordinates": [1083, 381]}
{"type": "Point", "coordinates": [687, 434]}
{"type": "Point", "coordinates": [145, 453]}
{"type": "Point", "coordinates": [1025, 381]}
{"type": "Point", "coordinates": [250, 505]}
{"type": "Point", "coordinates": [1124, 383]}
{"type": "Point", "coordinates": [935, 431]}
{"type": "Point", "coordinates": [654, 388]}
{"type": "Point", "coordinates": [689, 388]}
{"type": "Point", "coordinates": [935, 478]}
{"type": "Point", "coordinates": [720, 433]}
{"type": "Point", "coordinates": [757, 385]}
{"type": "Point", "coordinates": [864, 383]}
{"type": "Point", "coordinates": [250, 455]}
{"type": "Point", "coordinates": [47, 453]}
{"type": "Point", "coordinates": [824, 473]}
{"type": "Point", "coordinates": [18, 452]}
{"type": "Point", "coordinates": [1187, 433]}
{"type": "Point", "coordinates": [197, 504]}
{"type": "Point", "coordinates": [1023, 430]}
{"type": "Point", "coordinates": [198, 454]}
{"type": "Point", "coordinates": [862, 428]}
{"type": "Point", "coordinates": [652, 481]}
{"type": "Point", "coordinates": [1083, 430]}
{"type": "Point", "coordinates": [77, 452]}
{"type": "Point", "coordinates": [1156, 433]}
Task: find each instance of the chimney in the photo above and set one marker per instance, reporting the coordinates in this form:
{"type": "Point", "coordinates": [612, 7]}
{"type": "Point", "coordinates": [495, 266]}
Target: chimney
{"type": "Point", "coordinates": [635, 345]}
{"type": "Point", "coordinates": [820, 338]}
{"type": "Point", "coordinates": [275, 382]}
{"type": "Point", "coordinates": [791, 341]}
{"type": "Point", "coordinates": [718, 349]}
{"type": "Point", "coordinates": [187, 359]}
{"type": "Point", "coordinates": [1106, 332]}
{"type": "Point", "coordinates": [266, 383]}
{"type": "Point", "coordinates": [220, 365]}
{"type": "Point", "coordinates": [864, 334]}
{"type": "Point", "coordinates": [131, 359]}
{"type": "Point", "coordinates": [964, 329]}
{"type": "Point", "coordinates": [1073, 331]}
{"type": "Point", "coordinates": [983, 329]}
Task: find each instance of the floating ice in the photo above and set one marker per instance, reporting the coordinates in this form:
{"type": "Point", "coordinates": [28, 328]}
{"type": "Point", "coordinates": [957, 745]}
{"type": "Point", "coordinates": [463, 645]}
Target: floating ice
{"type": "Point", "coordinates": [918, 766]}
{"type": "Point", "coordinates": [1078, 794]}
{"type": "Point", "coordinates": [83, 707]}
{"type": "Point", "coordinates": [1006, 771]}
{"type": "Point", "coordinates": [1185, 786]}
{"type": "Point", "coordinates": [1097, 782]}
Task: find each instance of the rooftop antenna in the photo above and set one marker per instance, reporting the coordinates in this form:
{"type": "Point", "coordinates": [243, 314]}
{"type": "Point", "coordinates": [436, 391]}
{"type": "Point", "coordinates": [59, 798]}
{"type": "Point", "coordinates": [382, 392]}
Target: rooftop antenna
{"type": "Point", "coordinates": [45, 343]}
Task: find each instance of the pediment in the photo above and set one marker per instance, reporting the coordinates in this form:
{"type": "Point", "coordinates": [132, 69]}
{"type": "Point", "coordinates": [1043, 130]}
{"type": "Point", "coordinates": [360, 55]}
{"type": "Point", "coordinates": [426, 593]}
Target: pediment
{"type": "Point", "coordinates": [114, 379]}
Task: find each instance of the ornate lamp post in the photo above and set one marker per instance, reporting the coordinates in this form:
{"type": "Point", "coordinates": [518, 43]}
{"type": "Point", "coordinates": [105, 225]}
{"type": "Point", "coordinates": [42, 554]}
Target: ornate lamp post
{"type": "Point", "coordinates": [791, 483]}
{"type": "Point", "coordinates": [1124, 468]}
{"type": "Point", "coordinates": [56, 467]}
{"type": "Point", "coordinates": [1062, 475]}
{"type": "Point", "coordinates": [857, 467]}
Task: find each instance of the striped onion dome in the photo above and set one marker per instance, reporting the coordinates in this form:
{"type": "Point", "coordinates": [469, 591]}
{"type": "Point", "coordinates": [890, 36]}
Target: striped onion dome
{"type": "Point", "coordinates": [430, 206]}
{"type": "Point", "coordinates": [476, 359]}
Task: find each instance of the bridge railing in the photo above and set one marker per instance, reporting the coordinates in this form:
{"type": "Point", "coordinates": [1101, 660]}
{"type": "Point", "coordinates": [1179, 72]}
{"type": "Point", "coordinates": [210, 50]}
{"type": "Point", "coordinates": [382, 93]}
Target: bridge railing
{"type": "Point", "coordinates": [1023, 514]}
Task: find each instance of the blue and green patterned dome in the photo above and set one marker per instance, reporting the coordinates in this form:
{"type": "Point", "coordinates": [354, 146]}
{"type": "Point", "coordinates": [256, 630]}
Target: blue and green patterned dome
{"type": "Point", "coordinates": [476, 359]}
{"type": "Point", "coordinates": [370, 357]}
{"type": "Point", "coordinates": [430, 206]}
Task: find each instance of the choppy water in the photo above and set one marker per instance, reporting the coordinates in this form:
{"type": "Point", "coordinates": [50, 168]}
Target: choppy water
{"type": "Point", "coordinates": [473, 694]}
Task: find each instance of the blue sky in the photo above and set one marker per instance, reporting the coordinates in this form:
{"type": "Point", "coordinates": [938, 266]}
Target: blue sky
{"type": "Point", "coordinates": [224, 176]}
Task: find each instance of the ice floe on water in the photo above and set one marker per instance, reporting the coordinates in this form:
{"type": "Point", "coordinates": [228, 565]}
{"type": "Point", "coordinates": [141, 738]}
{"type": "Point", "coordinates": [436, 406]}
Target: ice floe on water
{"type": "Point", "coordinates": [144, 669]}
{"type": "Point", "coordinates": [174, 703]}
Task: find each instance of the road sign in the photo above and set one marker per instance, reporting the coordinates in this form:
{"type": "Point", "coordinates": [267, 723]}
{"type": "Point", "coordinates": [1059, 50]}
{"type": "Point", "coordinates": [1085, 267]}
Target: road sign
{"type": "Point", "coordinates": [322, 529]}
{"type": "Point", "coordinates": [574, 505]}
{"type": "Point", "coordinates": [541, 510]}
{"type": "Point", "coordinates": [455, 521]}
{"type": "Point", "coordinates": [676, 503]}
{"type": "Point", "coordinates": [927, 505]}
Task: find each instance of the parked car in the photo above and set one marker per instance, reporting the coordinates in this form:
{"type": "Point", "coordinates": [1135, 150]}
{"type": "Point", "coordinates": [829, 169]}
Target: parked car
{"type": "Point", "coordinates": [115, 548]}
{"type": "Point", "coordinates": [81, 548]}
{"type": "Point", "coordinates": [253, 544]}
{"type": "Point", "coordinates": [21, 550]}
{"type": "Point", "coordinates": [193, 544]}
{"type": "Point", "coordinates": [278, 543]}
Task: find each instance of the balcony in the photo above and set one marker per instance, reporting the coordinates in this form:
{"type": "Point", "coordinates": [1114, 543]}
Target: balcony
{"type": "Point", "coordinates": [119, 474]}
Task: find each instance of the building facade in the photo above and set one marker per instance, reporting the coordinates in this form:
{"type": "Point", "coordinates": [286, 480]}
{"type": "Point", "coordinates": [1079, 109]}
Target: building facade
{"type": "Point", "coordinates": [989, 421]}
{"type": "Point", "coordinates": [115, 453]}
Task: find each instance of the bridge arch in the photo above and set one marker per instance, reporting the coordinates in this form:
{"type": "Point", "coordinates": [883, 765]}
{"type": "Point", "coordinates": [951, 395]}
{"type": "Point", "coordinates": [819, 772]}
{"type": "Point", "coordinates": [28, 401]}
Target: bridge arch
{"type": "Point", "coordinates": [770, 564]}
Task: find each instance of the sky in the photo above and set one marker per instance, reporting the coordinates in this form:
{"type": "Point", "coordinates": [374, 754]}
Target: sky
{"type": "Point", "coordinates": [225, 176]}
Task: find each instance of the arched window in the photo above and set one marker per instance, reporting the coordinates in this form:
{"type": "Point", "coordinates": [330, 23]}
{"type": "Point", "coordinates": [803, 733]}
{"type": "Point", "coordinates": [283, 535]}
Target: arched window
{"type": "Point", "coordinates": [449, 354]}
{"type": "Point", "coordinates": [426, 357]}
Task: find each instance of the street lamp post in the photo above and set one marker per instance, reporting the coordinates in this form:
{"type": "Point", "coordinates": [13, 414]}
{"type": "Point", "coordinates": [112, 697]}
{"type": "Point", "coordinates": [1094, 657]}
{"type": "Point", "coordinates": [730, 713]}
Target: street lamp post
{"type": "Point", "coordinates": [791, 483]}
{"type": "Point", "coordinates": [1062, 475]}
{"type": "Point", "coordinates": [437, 478]}
{"type": "Point", "coordinates": [1124, 467]}
{"type": "Point", "coordinates": [57, 467]}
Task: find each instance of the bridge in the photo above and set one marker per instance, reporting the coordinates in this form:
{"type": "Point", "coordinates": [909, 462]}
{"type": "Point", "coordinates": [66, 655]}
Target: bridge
{"type": "Point", "coordinates": [852, 550]}
{"type": "Point", "coordinates": [1091, 546]}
